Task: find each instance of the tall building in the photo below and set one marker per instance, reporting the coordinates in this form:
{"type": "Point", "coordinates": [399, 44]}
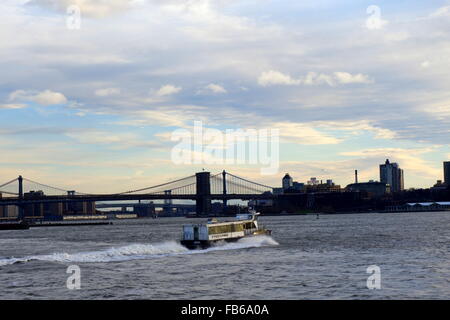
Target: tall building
{"type": "Point", "coordinates": [392, 175]}
{"type": "Point", "coordinates": [287, 182]}
{"type": "Point", "coordinates": [447, 173]}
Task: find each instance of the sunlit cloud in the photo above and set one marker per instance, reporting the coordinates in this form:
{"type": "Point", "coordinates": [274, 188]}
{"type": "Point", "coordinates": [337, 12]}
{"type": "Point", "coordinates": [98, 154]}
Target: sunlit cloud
{"type": "Point", "coordinates": [107, 92]}
{"type": "Point", "coordinates": [45, 98]}
{"type": "Point", "coordinates": [12, 106]}
{"type": "Point", "coordinates": [168, 90]}
{"type": "Point", "coordinates": [272, 77]}
{"type": "Point", "coordinates": [215, 88]}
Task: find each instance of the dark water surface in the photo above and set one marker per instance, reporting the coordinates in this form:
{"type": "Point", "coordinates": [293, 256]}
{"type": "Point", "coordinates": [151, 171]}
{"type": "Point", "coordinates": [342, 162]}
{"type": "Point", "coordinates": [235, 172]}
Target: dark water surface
{"type": "Point", "coordinates": [307, 258]}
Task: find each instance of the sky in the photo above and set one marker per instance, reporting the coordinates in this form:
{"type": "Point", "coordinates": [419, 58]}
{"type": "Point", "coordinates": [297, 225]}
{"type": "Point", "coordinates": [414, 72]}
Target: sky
{"type": "Point", "coordinates": [90, 104]}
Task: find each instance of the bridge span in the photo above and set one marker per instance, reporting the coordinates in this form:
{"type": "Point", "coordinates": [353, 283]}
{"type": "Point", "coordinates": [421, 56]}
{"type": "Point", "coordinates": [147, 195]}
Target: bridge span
{"type": "Point", "coordinates": [201, 188]}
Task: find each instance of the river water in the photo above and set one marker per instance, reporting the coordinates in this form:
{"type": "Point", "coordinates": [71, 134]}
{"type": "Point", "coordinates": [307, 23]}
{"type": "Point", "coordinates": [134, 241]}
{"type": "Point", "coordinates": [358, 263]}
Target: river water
{"type": "Point", "coordinates": [306, 258]}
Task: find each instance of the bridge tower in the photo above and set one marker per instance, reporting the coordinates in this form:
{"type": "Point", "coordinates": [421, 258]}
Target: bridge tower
{"type": "Point", "coordinates": [224, 188]}
{"type": "Point", "coordinates": [20, 206]}
{"type": "Point", "coordinates": [167, 202]}
{"type": "Point", "coordinates": [203, 193]}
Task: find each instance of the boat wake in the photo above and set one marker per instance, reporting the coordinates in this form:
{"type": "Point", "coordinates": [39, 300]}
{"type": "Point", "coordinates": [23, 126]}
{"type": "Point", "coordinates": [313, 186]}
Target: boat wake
{"type": "Point", "coordinates": [140, 252]}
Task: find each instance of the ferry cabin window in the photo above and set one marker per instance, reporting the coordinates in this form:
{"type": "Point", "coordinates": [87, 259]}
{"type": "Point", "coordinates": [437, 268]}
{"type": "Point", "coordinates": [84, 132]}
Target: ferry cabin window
{"type": "Point", "coordinates": [226, 228]}
{"type": "Point", "coordinates": [219, 229]}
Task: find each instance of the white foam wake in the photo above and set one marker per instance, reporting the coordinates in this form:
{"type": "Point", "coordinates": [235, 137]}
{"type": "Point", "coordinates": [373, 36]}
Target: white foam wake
{"type": "Point", "coordinates": [140, 251]}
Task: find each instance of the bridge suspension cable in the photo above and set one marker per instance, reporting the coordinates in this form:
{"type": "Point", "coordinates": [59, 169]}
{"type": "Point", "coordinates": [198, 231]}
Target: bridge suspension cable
{"type": "Point", "coordinates": [9, 182]}
{"type": "Point", "coordinates": [236, 185]}
{"type": "Point", "coordinates": [44, 185]}
{"type": "Point", "coordinates": [51, 187]}
{"type": "Point", "coordinates": [255, 183]}
{"type": "Point", "coordinates": [187, 189]}
{"type": "Point", "coordinates": [158, 186]}
{"type": "Point", "coordinates": [10, 193]}
{"type": "Point", "coordinates": [10, 188]}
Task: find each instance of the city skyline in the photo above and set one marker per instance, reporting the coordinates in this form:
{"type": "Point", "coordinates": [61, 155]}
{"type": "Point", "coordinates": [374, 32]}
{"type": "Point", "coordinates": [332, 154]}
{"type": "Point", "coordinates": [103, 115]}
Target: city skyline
{"type": "Point", "coordinates": [102, 100]}
{"type": "Point", "coordinates": [388, 172]}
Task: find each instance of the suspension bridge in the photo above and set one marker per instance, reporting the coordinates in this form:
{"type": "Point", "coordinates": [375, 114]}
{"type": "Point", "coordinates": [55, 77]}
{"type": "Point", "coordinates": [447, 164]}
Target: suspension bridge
{"type": "Point", "coordinates": [202, 187]}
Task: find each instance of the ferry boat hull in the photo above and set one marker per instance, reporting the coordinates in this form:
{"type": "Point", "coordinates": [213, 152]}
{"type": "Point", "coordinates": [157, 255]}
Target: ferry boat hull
{"type": "Point", "coordinates": [205, 244]}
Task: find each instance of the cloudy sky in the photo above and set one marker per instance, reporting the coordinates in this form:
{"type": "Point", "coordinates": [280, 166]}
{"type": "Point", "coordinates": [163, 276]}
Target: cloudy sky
{"type": "Point", "coordinates": [347, 83]}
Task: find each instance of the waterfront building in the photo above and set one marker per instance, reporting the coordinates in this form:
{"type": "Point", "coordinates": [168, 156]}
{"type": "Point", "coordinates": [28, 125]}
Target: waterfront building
{"type": "Point", "coordinates": [298, 186]}
{"type": "Point", "coordinates": [287, 182]}
{"type": "Point", "coordinates": [34, 210]}
{"type": "Point", "coordinates": [79, 207]}
{"type": "Point", "coordinates": [392, 175]}
{"type": "Point", "coordinates": [439, 185]}
{"type": "Point", "coordinates": [322, 187]}
{"type": "Point", "coordinates": [56, 209]}
{"type": "Point", "coordinates": [373, 188]}
{"type": "Point", "coordinates": [9, 212]}
{"type": "Point", "coordinates": [421, 206]}
{"type": "Point", "coordinates": [447, 173]}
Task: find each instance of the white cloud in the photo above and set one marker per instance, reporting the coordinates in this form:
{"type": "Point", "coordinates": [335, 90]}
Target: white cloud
{"type": "Point", "coordinates": [17, 95]}
{"type": "Point", "coordinates": [439, 109]}
{"type": "Point", "coordinates": [48, 97]}
{"type": "Point", "coordinates": [107, 92]}
{"type": "Point", "coordinates": [12, 106]}
{"type": "Point", "coordinates": [272, 77]}
{"type": "Point", "coordinates": [376, 24]}
{"type": "Point", "coordinates": [216, 88]}
{"type": "Point", "coordinates": [45, 98]}
{"type": "Point", "coordinates": [345, 77]}
{"type": "Point", "coordinates": [168, 90]}
{"type": "Point", "coordinates": [303, 133]}
{"type": "Point", "coordinates": [314, 78]}
{"type": "Point", "coordinates": [356, 127]}
{"type": "Point", "coordinates": [175, 116]}
{"type": "Point", "coordinates": [441, 12]}
{"type": "Point", "coordinates": [425, 64]}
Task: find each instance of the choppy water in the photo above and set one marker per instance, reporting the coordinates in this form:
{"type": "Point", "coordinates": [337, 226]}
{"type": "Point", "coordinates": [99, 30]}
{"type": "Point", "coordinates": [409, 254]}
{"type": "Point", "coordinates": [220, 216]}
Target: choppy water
{"type": "Point", "coordinates": [307, 258]}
